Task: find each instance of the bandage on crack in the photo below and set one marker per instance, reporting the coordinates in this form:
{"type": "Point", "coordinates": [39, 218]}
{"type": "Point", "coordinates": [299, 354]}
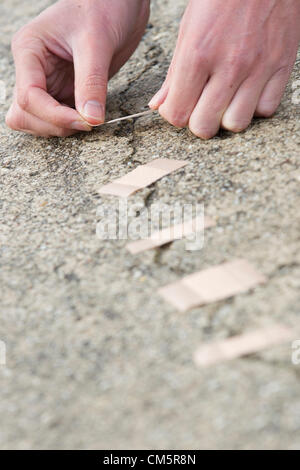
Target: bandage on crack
{"type": "Point", "coordinates": [142, 177]}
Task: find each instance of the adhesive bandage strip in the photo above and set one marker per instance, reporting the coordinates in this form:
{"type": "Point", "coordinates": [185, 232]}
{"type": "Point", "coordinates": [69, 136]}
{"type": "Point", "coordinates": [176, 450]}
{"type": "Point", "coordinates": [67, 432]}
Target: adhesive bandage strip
{"type": "Point", "coordinates": [142, 177]}
{"type": "Point", "coordinates": [237, 346]}
{"type": "Point", "coordinates": [212, 284]}
{"type": "Point", "coordinates": [167, 235]}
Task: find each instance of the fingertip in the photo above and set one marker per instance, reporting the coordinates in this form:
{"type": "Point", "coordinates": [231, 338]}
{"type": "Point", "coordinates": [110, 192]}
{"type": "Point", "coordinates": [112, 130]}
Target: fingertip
{"type": "Point", "coordinates": [93, 113]}
{"type": "Point", "coordinates": [158, 99]}
{"type": "Point", "coordinates": [153, 103]}
{"type": "Point", "coordinates": [266, 110]}
{"type": "Point", "coordinates": [202, 132]}
{"type": "Point", "coordinates": [235, 125]}
{"type": "Point", "coordinates": [81, 126]}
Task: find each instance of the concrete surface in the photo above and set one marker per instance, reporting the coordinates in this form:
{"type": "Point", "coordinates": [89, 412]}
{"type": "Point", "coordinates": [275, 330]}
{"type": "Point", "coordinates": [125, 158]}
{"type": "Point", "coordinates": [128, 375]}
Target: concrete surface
{"type": "Point", "coordinates": [95, 359]}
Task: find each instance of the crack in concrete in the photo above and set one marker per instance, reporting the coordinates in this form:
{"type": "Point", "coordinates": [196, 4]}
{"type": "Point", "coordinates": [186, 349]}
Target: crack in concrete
{"type": "Point", "coordinates": [132, 138]}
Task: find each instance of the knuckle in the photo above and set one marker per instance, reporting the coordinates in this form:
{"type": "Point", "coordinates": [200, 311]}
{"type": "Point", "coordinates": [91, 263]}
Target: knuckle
{"type": "Point", "coordinates": [242, 60]}
{"type": "Point", "coordinates": [95, 81]}
{"type": "Point", "coordinates": [237, 65]}
{"type": "Point", "coordinates": [279, 63]}
{"type": "Point", "coordinates": [23, 98]}
{"type": "Point", "coordinates": [197, 58]}
{"type": "Point", "coordinates": [284, 71]}
{"type": "Point", "coordinates": [56, 120]}
{"type": "Point", "coordinates": [192, 51]}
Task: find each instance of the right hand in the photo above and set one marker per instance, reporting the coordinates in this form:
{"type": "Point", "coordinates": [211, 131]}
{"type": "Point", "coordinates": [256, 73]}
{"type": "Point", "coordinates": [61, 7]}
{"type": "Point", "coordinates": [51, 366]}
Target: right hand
{"type": "Point", "coordinates": [232, 61]}
{"type": "Point", "coordinates": [64, 59]}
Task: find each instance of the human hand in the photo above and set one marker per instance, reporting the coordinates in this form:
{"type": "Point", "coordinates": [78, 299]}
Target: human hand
{"type": "Point", "coordinates": [233, 59]}
{"type": "Point", "coordinates": [65, 57]}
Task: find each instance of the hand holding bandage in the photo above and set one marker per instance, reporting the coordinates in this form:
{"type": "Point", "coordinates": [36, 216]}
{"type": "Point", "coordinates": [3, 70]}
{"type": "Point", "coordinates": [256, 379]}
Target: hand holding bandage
{"type": "Point", "coordinates": [64, 59]}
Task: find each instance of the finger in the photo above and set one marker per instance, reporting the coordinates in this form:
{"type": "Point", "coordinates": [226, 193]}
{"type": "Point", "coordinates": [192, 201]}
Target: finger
{"type": "Point", "coordinates": [189, 76]}
{"type": "Point", "coordinates": [206, 118]}
{"type": "Point", "coordinates": [33, 98]}
{"type": "Point", "coordinates": [17, 119]}
{"type": "Point", "coordinates": [272, 93]}
{"type": "Point", "coordinates": [240, 112]}
{"type": "Point", "coordinates": [92, 59]}
{"type": "Point", "coordinates": [159, 98]}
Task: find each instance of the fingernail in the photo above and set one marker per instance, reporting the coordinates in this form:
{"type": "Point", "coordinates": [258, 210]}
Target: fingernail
{"type": "Point", "coordinates": [94, 110]}
{"type": "Point", "coordinates": [155, 101]}
{"type": "Point", "coordinates": [80, 126]}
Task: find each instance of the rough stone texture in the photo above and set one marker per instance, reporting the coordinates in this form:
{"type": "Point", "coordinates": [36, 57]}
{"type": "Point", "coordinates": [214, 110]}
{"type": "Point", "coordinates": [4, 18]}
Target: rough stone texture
{"type": "Point", "coordinates": [95, 359]}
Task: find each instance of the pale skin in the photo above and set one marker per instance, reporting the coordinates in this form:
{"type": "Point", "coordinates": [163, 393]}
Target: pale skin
{"type": "Point", "coordinates": [232, 62]}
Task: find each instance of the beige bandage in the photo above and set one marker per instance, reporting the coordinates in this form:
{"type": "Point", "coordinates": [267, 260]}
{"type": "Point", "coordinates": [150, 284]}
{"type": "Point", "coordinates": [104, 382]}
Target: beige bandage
{"type": "Point", "coordinates": [212, 284]}
{"type": "Point", "coordinates": [242, 345]}
{"type": "Point", "coordinates": [175, 232]}
{"type": "Point", "coordinates": [142, 177]}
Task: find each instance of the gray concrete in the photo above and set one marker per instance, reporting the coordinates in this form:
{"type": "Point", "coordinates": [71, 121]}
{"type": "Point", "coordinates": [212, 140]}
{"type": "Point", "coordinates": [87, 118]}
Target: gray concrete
{"type": "Point", "coordinates": [95, 359]}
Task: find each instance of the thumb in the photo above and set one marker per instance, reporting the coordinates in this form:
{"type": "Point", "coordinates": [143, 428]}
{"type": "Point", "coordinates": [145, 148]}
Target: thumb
{"type": "Point", "coordinates": [92, 60]}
